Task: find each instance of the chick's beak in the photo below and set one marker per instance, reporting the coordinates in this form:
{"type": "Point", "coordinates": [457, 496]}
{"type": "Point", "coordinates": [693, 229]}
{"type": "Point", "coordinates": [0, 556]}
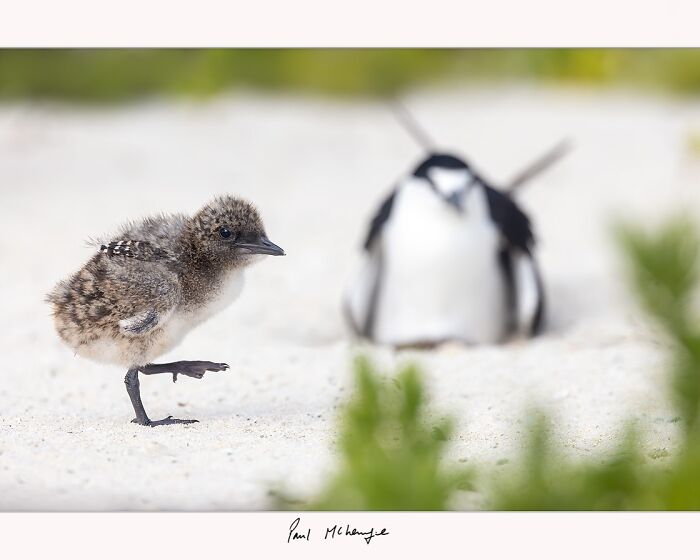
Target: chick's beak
{"type": "Point", "coordinates": [262, 246]}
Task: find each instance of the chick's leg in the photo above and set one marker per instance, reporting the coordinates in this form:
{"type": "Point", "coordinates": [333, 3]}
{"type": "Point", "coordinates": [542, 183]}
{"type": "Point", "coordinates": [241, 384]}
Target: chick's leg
{"type": "Point", "coordinates": [133, 389]}
{"type": "Point", "coordinates": [195, 369]}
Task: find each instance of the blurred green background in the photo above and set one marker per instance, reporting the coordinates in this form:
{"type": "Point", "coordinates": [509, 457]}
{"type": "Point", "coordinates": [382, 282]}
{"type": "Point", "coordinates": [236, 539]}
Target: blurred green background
{"type": "Point", "coordinates": [110, 75]}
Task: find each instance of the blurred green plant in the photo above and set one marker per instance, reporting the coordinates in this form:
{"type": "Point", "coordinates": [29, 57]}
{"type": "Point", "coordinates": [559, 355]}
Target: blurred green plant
{"type": "Point", "coordinates": [665, 276]}
{"type": "Point", "coordinates": [545, 480]}
{"type": "Point", "coordinates": [391, 455]}
{"type": "Point", "coordinates": [693, 143]}
{"type": "Point", "coordinates": [110, 75]}
{"type": "Point", "coordinates": [664, 270]}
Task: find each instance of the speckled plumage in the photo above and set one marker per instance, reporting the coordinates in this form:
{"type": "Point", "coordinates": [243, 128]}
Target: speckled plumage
{"type": "Point", "coordinates": [155, 280]}
{"type": "Point", "coordinates": [117, 307]}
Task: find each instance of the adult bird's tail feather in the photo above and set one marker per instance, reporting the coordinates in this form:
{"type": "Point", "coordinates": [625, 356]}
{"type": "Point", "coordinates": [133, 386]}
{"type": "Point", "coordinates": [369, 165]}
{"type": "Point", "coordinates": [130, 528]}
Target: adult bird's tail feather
{"type": "Point", "coordinates": [411, 126]}
{"type": "Point", "coordinates": [539, 165]}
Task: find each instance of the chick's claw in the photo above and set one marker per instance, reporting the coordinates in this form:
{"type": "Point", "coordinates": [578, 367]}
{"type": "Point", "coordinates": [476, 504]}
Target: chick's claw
{"type": "Point", "coordinates": [197, 369]}
{"type": "Point", "coordinates": [169, 421]}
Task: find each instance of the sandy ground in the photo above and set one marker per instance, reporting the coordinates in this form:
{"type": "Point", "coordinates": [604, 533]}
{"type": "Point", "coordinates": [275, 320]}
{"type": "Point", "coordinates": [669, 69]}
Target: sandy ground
{"type": "Point", "coordinates": [316, 169]}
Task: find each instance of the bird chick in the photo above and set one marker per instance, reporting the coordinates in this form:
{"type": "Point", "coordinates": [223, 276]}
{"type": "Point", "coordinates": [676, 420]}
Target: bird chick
{"type": "Point", "coordinates": [152, 283]}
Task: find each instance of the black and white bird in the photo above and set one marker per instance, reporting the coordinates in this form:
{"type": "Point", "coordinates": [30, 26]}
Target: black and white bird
{"type": "Point", "coordinates": [160, 277]}
{"type": "Point", "coordinates": [448, 257]}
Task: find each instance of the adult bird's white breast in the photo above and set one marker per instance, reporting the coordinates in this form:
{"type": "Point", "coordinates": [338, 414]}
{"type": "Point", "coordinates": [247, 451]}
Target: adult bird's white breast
{"type": "Point", "coordinates": [440, 277]}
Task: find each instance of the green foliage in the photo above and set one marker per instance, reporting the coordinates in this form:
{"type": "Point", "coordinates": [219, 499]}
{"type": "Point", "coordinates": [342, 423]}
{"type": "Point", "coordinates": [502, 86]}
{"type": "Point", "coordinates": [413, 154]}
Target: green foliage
{"type": "Point", "coordinates": [113, 75]}
{"type": "Point", "coordinates": [693, 144]}
{"type": "Point", "coordinates": [391, 455]}
{"type": "Point", "coordinates": [623, 481]}
{"type": "Point", "coordinates": [664, 273]}
{"type": "Point", "coordinates": [109, 75]}
{"type": "Point", "coordinates": [544, 480]}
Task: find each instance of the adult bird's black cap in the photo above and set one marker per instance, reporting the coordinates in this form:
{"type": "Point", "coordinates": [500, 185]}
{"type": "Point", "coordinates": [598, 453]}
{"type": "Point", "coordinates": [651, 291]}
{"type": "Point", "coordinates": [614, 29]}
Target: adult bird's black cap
{"type": "Point", "coordinates": [444, 161]}
{"type": "Point", "coordinates": [261, 246]}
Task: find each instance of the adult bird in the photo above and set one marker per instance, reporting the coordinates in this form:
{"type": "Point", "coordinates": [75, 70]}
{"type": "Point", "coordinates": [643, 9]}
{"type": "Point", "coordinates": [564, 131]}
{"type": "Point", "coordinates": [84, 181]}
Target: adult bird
{"type": "Point", "coordinates": [448, 257]}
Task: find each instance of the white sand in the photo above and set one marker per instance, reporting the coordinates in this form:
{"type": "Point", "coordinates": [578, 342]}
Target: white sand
{"type": "Point", "coordinates": [316, 169]}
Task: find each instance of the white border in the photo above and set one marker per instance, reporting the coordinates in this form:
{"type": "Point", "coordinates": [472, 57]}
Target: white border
{"type": "Point", "coordinates": [174, 536]}
{"type": "Point", "coordinates": [368, 23]}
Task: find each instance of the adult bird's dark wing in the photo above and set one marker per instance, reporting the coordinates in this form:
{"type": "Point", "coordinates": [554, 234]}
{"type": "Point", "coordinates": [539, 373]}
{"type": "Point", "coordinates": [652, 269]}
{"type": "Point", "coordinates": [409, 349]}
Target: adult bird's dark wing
{"type": "Point", "coordinates": [379, 219]}
{"type": "Point", "coordinates": [520, 271]}
{"type": "Point", "coordinates": [511, 220]}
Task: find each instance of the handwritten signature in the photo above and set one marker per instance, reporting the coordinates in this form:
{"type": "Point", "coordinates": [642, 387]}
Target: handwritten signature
{"type": "Point", "coordinates": [296, 534]}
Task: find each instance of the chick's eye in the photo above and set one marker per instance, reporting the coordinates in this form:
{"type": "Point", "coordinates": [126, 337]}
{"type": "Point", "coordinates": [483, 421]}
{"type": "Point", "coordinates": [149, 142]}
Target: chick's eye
{"type": "Point", "coordinates": [225, 232]}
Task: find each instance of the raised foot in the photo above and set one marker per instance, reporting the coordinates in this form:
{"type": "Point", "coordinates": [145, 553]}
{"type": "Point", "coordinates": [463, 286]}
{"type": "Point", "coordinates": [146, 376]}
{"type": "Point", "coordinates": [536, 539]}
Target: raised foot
{"type": "Point", "coordinates": [164, 422]}
{"type": "Point", "coordinates": [197, 369]}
